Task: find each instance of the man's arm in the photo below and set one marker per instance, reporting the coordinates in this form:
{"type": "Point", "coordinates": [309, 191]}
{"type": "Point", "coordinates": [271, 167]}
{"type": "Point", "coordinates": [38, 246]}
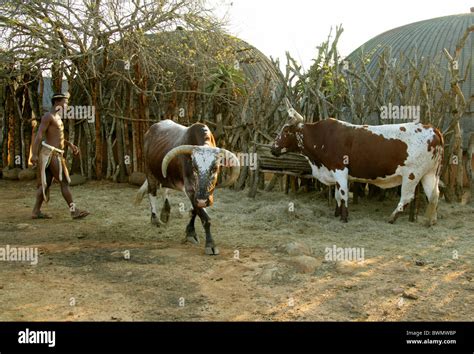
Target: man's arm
{"type": "Point", "coordinates": [74, 148]}
{"type": "Point", "coordinates": [43, 127]}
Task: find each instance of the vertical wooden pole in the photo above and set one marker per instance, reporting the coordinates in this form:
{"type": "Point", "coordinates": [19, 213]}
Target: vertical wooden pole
{"type": "Point", "coordinates": [98, 131]}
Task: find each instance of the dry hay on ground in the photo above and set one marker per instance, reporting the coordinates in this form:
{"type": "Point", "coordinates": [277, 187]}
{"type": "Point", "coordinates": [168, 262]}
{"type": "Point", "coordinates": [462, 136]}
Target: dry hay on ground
{"type": "Point", "coordinates": [409, 272]}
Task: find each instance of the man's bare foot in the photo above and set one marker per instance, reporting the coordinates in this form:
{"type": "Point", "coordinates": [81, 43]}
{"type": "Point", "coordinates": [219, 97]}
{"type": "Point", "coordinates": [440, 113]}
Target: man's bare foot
{"type": "Point", "coordinates": [41, 215]}
{"type": "Point", "coordinates": [79, 214]}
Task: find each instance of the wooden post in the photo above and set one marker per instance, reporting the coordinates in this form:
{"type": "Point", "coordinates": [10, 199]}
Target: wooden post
{"type": "Point", "coordinates": [81, 154]}
{"type": "Point", "coordinates": [71, 130]}
{"type": "Point", "coordinates": [293, 184]}
{"type": "Point", "coordinates": [458, 189]}
{"type": "Point", "coordinates": [89, 141]}
{"type": "Point", "coordinates": [281, 182]}
{"type": "Point", "coordinates": [10, 120]}
{"type": "Point", "coordinates": [470, 174]}
{"type": "Point", "coordinates": [355, 193]}
{"type": "Point", "coordinates": [254, 181]}
{"type": "Point", "coordinates": [261, 180]}
{"type": "Point", "coordinates": [448, 188]}
{"type": "Point", "coordinates": [309, 185]}
{"type": "Point", "coordinates": [272, 183]}
{"type": "Point", "coordinates": [120, 152]}
{"type": "Point", "coordinates": [98, 131]}
{"type": "Point", "coordinates": [242, 178]}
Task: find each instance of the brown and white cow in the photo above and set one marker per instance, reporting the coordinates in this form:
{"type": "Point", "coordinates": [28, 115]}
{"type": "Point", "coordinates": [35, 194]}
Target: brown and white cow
{"type": "Point", "coordinates": [384, 155]}
{"type": "Point", "coordinates": [185, 159]}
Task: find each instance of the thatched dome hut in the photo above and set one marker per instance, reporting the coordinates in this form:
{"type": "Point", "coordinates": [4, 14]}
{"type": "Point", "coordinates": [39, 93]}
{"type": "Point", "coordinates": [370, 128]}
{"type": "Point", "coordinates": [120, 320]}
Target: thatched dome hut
{"type": "Point", "coordinates": [426, 40]}
{"type": "Point", "coordinates": [187, 76]}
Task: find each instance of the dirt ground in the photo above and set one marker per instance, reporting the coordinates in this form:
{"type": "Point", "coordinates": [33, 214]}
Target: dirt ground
{"type": "Point", "coordinates": [410, 272]}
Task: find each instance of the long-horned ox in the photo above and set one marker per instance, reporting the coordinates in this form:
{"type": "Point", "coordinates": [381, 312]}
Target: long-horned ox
{"type": "Point", "coordinates": [384, 155]}
{"type": "Point", "coordinates": [185, 159]}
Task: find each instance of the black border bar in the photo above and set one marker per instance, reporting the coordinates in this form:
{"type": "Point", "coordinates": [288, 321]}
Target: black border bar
{"type": "Point", "coordinates": [314, 337]}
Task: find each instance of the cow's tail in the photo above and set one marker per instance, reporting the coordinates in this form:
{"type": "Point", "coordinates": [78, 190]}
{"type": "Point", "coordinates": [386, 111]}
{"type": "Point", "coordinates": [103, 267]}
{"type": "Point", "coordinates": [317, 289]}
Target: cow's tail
{"type": "Point", "coordinates": [141, 193]}
{"type": "Point", "coordinates": [439, 152]}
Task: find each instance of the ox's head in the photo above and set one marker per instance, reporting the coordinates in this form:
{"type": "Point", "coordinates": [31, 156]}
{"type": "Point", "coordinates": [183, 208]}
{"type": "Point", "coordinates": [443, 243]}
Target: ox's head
{"type": "Point", "coordinates": [205, 164]}
{"type": "Point", "coordinates": [287, 139]}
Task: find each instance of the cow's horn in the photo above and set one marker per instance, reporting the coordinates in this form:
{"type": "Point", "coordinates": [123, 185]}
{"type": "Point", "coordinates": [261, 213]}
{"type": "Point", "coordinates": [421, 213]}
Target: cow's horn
{"type": "Point", "coordinates": [179, 150]}
{"type": "Point", "coordinates": [234, 168]}
{"type": "Point", "coordinates": [295, 116]}
{"type": "Point", "coordinates": [287, 104]}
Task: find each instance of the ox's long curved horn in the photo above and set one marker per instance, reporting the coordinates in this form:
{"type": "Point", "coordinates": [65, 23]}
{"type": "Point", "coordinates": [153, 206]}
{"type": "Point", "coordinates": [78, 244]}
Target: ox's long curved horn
{"type": "Point", "coordinates": [179, 150]}
{"type": "Point", "coordinates": [234, 168]}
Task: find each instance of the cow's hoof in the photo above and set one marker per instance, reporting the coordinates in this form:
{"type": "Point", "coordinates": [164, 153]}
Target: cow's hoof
{"type": "Point", "coordinates": [212, 251]}
{"type": "Point", "coordinates": [154, 221]}
{"type": "Point", "coordinates": [165, 212]}
{"type": "Point", "coordinates": [192, 237]}
{"type": "Point", "coordinates": [193, 240]}
{"type": "Point", "coordinates": [164, 217]}
{"type": "Point", "coordinates": [430, 223]}
{"type": "Point", "coordinates": [344, 220]}
{"type": "Point", "coordinates": [391, 221]}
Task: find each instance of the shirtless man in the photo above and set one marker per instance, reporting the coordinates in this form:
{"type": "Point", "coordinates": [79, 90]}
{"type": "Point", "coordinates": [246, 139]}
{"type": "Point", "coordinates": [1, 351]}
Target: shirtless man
{"type": "Point", "coordinates": [52, 130]}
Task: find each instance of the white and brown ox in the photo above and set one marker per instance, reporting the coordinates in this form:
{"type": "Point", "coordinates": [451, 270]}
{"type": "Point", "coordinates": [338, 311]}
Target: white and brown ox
{"type": "Point", "coordinates": [384, 155]}
{"type": "Point", "coordinates": [185, 159]}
